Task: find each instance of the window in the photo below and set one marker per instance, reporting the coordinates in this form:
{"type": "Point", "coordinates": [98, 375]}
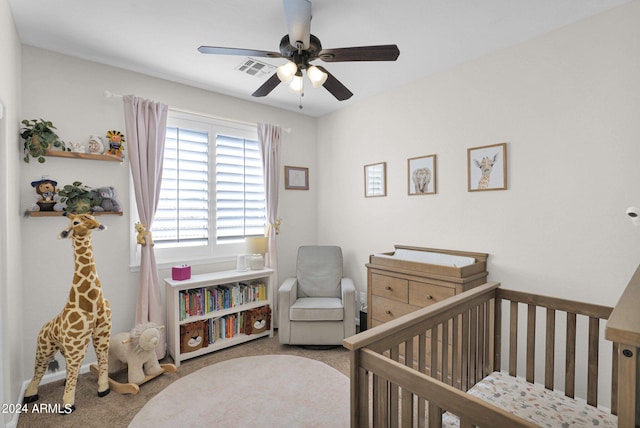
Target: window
{"type": "Point", "coordinates": [212, 194]}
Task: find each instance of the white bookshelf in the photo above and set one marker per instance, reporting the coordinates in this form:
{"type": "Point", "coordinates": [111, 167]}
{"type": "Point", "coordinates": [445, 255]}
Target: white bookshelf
{"type": "Point", "coordinates": [173, 289]}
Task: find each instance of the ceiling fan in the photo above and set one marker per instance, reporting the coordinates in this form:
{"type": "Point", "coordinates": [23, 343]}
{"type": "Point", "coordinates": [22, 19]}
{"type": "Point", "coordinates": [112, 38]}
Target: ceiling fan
{"type": "Point", "coordinates": [301, 47]}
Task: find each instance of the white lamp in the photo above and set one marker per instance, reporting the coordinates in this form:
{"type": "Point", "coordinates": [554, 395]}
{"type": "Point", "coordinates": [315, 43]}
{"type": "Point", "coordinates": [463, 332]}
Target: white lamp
{"type": "Point", "coordinates": [317, 76]}
{"type": "Point", "coordinates": [257, 247]}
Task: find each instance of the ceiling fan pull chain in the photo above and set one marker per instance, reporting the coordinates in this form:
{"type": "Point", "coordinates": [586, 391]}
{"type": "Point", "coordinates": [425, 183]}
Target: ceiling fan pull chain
{"type": "Point", "coordinates": [301, 95]}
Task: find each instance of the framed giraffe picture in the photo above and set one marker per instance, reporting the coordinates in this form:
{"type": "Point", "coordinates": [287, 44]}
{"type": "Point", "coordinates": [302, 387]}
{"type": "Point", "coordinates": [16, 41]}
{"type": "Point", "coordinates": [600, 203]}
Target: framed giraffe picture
{"type": "Point", "coordinates": [487, 167]}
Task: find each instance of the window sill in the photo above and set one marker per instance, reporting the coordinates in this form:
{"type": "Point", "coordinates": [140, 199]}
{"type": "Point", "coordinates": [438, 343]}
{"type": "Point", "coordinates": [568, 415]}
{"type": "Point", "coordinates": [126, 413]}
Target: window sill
{"type": "Point", "coordinates": [223, 261]}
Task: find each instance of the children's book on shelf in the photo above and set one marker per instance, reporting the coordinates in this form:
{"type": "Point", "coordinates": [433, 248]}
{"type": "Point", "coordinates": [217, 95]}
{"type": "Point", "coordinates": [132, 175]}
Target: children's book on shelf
{"type": "Point", "coordinates": [201, 301]}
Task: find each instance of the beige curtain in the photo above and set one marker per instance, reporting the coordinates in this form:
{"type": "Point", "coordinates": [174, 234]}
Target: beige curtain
{"type": "Point", "coordinates": [145, 124]}
{"type": "Point", "coordinates": [269, 137]}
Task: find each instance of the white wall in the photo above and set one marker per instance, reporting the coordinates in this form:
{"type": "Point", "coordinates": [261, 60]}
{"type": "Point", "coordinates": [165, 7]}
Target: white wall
{"type": "Point", "coordinates": [11, 356]}
{"type": "Point", "coordinates": [69, 92]}
{"type": "Point", "coordinates": [567, 105]}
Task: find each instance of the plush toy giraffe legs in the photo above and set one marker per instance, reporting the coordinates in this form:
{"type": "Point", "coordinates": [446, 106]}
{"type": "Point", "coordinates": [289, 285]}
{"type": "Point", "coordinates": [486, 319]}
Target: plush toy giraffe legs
{"type": "Point", "coordinates": [46, 349]}
{"type": "Point", "coordinates": [100, 338]}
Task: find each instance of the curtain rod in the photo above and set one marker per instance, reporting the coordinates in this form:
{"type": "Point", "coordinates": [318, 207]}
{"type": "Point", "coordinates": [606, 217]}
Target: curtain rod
{"type": "Point", "coordinates": [109, 94]}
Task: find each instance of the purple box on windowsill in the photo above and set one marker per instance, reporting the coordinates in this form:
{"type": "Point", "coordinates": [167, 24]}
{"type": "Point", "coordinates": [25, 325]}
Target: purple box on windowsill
{"type": "Point", "coordinates": [180, 273]}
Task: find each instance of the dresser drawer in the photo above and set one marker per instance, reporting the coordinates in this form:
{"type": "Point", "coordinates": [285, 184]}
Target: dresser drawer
{"type": "Point", "coordinates": [422, 294]}
{"type": "Point", "coordinates": [386, 309]}
{"type": "Point", "coordinates": [390, 287]}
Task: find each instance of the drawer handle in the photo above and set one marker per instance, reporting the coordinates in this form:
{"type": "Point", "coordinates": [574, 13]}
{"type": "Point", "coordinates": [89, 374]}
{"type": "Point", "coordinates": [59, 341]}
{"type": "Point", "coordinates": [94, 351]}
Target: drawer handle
{"type": "Point", "coordinates": [429, 297]}
{"type": "Point", "coordinates": [388, 288]}
{"type": "Point", "coordinates": [389, 313]}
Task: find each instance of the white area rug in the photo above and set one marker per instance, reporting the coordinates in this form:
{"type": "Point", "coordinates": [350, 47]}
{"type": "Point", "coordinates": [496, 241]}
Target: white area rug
{"type": "Point", "coordinates": [264, 391]}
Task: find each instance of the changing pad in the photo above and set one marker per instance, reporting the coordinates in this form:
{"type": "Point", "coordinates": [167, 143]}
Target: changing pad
{"type": "Point", "coordinates": [430, 257]}
{"type": "Point", "coordinates": [535, 403]}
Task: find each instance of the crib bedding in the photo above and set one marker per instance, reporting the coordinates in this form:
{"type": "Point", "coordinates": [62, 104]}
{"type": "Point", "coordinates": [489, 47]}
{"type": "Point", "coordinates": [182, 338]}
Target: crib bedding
{"type": "Point", "coordinates": [536, 404]}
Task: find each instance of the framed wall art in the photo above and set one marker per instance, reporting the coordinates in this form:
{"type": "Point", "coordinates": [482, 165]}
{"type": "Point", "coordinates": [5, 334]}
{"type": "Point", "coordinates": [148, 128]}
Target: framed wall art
{"type": "Point", "coordinates": [296, 178]}
{"type": "Point", "coordinates": [375, 180]}
{"type": "Point", "coordinates": [421, 175]}
{"type": "Point", "coordinates": [487, 167]}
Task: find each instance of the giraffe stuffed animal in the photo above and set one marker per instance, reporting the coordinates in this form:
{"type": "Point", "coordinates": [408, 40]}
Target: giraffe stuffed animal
{"type": "Point", "coordinates": [86, 316]}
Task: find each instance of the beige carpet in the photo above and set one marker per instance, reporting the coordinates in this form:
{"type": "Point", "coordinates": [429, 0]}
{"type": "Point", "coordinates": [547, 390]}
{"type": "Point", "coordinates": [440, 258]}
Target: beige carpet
{"type": "Point", "coordinates": [261, 391]}
{"type": "Point", "coordinates": [117, 411]}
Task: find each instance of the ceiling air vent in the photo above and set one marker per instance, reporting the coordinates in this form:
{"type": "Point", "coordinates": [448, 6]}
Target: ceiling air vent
{"type": "Point", "coordinates": [255, 68]}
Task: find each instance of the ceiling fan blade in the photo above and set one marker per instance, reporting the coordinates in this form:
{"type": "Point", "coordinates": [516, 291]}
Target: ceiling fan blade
{"type": "Point", "coordinates": [216, 50]}
{"type": "Point", "coordinates": [334, 86]}
{"type": "Point", "coordinates": [361, 53]}
{"type": "Point", "coordinates": [298, 16]}
{"type": "Point", "coordinates": [267, 86]}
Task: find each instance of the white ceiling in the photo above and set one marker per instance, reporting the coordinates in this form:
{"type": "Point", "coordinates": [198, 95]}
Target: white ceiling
{"type": "Point", "coordinates": [160, 37]}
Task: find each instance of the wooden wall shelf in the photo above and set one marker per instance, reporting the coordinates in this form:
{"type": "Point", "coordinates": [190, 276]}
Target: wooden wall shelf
{"type": "Point", "coordinates": [60, 213]}
{"type": "Point", "coordinates": [76, 155]}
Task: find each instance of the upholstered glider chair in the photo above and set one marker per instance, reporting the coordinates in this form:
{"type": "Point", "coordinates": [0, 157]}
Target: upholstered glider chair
{"type": "Point", "coordinates": [317, 307]}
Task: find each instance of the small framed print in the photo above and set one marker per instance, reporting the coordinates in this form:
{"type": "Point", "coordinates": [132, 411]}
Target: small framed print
{"type": "Point", "coordinates": [487, 167]}
{"type": "Point", "coordinates": [421, 178]}
{"type": "Point", "coordinates": [375, 180]}
{"type": "Point", "coordinates": [296, 178]}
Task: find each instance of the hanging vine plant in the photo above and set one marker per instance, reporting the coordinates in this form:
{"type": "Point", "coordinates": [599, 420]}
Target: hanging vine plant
{"type": "Point", "coordinates": [38, 136]}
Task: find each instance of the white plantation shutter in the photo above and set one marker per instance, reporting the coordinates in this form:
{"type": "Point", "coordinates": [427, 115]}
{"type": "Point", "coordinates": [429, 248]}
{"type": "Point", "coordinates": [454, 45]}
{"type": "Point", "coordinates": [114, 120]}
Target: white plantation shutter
{"type": "Point", "coordinates": [212, 193]}
{"type": "Point", "coordinates": [182, 216]}
{"type": "Point", "coordinates": [240, 198]}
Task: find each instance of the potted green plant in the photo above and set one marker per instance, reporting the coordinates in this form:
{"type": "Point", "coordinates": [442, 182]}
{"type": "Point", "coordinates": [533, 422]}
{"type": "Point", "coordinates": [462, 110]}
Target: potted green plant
{"type": "Point", "coordinates": [78, 198]}
{"type": "Point", "coordinates": [38, 136]}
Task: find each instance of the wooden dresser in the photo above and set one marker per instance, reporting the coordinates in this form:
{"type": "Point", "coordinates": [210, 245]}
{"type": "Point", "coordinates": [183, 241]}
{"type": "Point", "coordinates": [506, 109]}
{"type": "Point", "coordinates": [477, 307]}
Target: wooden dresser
{"type": "Point", "coordinates": [397, 287]}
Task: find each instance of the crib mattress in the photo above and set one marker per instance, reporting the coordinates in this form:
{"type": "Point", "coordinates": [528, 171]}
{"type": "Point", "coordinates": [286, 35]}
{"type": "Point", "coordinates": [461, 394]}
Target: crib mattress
{"type": "Point", "coordinates": [535, 403]}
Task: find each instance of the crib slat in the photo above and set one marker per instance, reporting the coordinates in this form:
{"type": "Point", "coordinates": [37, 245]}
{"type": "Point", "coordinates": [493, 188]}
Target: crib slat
{"type": "Point", "coordinates": [513, 339]}
{"type": "Point", "coordinates": [473, 347]}
{"type": "Point", "coordinates": [592, 376]}
{"type": "Point", "coordinates": [435, 412]}
{"type": "Point", "coordinates": [381, 402]}
{"type": "Point", "coordinates": [570, 357]}
{"type": "Point", "coordinates": [407, 397]}
{"type": "Point", "coordinates": [422, 368]}
{"type": "Point", "coordinates": [363, 404]}
{"type": "Point", "coordinates": [614, 379]}
{"type": "Point", "coordinates": [456, 352]}
{"type": "Point", "coordinates": [445, 353]}
{"type": "Point", "coordinates": [434, 353]}
{"type": "Point", "coordinates": [531, 343]}
{"type": "Point", "coordinates": [488, 338]}
{"type": "Point", "coordinates": [435, 416]}
{"type": "Point", "coordinates": [497, 334]}
{"type": "Point", "coordinates": [394, 393]}
{"type": "Point", "coordinates": [464, 355]}
{"type": "Point", "coordinates": [480, 370]}
{"type": "Point", "coordinates": [550, 350]}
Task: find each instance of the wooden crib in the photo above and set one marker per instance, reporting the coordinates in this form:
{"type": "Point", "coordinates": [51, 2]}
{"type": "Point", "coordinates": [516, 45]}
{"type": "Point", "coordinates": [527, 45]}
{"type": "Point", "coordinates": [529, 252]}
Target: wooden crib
{"type": "Point", "coordinates": [425, 367]}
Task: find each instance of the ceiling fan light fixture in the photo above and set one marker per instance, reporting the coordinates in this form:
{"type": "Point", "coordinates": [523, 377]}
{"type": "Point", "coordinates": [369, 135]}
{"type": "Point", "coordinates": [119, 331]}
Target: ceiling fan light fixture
{"type": "Point", "coordinates": [297, 85]}
{"type": "Point", "coordinates": [317, 76]}
{"type": "Point", "coordinates": [287, 71]}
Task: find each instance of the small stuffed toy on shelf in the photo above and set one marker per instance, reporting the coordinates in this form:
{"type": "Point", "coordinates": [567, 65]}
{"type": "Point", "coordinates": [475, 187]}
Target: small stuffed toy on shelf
{"type": "Point", "coordinates": [107, 198]}
{"type": "Point", "coordinates": [116, 143]}
{"type": "Point", "coordinates": [47, 198]}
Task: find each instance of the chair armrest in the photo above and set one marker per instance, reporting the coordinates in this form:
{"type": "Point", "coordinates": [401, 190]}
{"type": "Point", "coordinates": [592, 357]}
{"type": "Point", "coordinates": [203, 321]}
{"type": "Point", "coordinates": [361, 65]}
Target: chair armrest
{"type": "Point", "coordinates": [349, 302]}
{"type": "Point", "coordinates": [287, 295]}
{"type": "Point", "coordinates": [289, 291]}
